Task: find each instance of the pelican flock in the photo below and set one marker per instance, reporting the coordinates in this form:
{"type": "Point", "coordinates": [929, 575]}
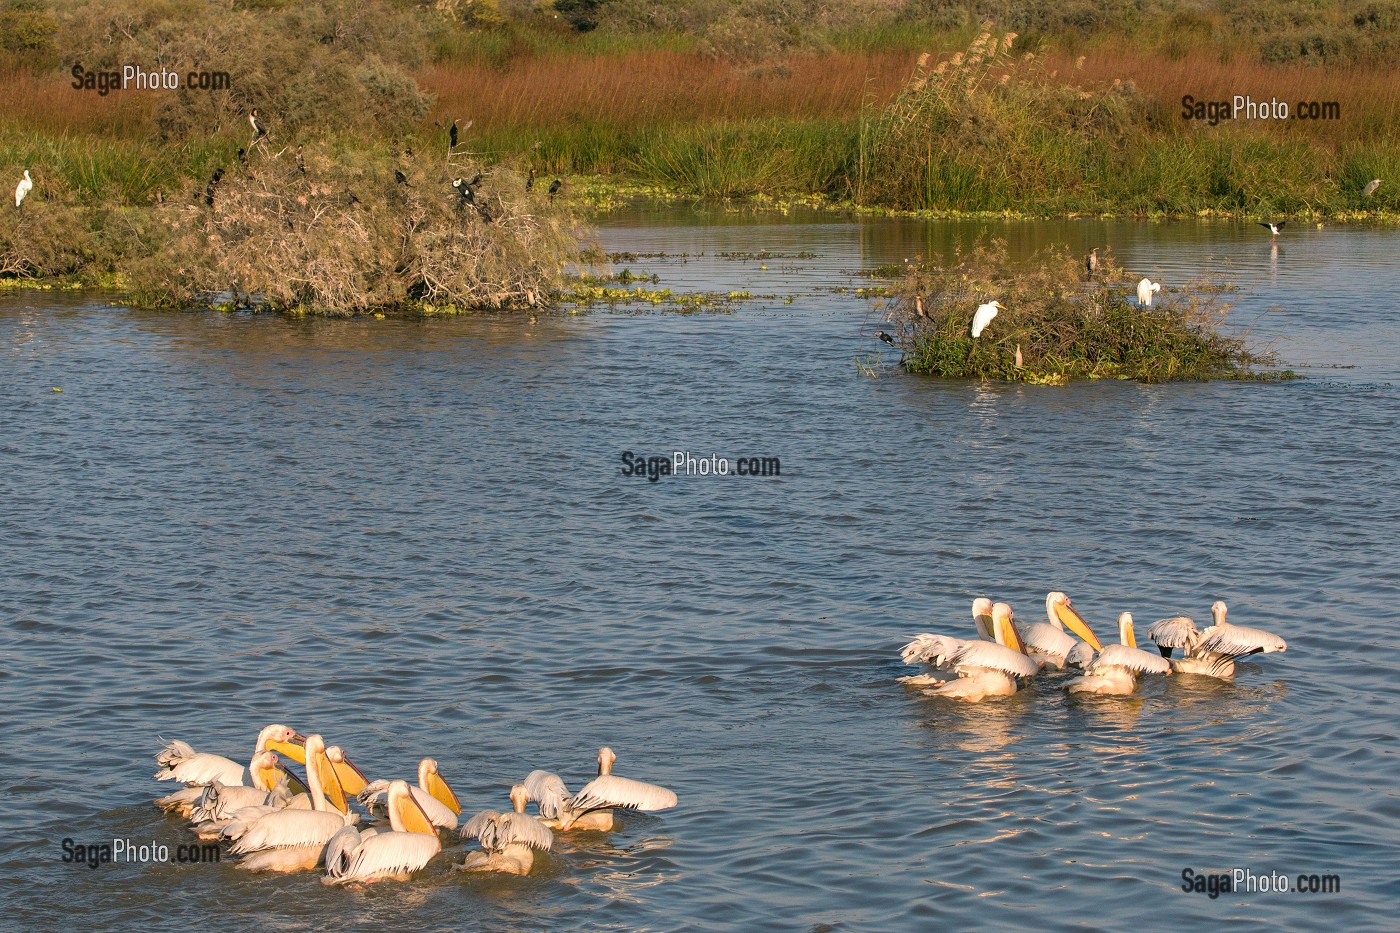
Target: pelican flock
{"type": "Point", "coordinates": [272, 820]}
{"type": "Point", "coordinates": [1004, 656]}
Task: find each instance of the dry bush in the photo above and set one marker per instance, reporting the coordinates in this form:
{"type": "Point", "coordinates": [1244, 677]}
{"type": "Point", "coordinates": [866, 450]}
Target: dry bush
{"type": "Point", "coordinates": [344, 237]}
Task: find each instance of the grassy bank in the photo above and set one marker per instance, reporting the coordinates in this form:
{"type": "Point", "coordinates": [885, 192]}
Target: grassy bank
{"type": "Point", "coordinates": [1056, 324]}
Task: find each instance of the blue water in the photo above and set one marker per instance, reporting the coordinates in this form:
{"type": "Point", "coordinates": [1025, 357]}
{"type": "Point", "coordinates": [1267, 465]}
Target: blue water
{"type": "Point", "coordinates": [415, 538]}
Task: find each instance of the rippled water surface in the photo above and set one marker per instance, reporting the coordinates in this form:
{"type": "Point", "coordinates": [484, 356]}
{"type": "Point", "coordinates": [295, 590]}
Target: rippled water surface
{"type": "Point", "coordinates": [415, 538]}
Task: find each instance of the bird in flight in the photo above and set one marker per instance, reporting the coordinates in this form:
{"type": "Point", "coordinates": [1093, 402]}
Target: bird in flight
{"type": "Point", "coordinates": [1274, 228]}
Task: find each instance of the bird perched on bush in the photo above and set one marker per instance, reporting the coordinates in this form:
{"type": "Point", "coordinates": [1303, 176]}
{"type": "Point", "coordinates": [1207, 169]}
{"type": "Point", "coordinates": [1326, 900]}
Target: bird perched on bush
{"type": "Point", "coordinates": [26, 185]}
{"type": "Point", "coordinates": [983, 317]}
{"type": "Point", "coordinates": [259, 128]}
{"type": "Point", "coordinates": [1091, 262]}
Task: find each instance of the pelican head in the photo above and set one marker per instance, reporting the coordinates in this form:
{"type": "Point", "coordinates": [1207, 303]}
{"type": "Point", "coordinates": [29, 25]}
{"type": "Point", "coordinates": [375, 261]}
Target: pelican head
{"type": "Point", "coordinates": [982, 618]}
{"type": "Point", "coordinates": [606, 758]}
{"type": "Point", "coordinates": [1217, 611]}
{"type": "Point", "coordinates": [431, 780]}
{"type": "Point", "coordinates": [263, 770]}
{"type": "Point", "coordinates": [406, 814]}
{"type": "Point", "coordinates": [1004, 625]}
{"type": "Point", "coordinates": [519, 796]}
{"type": "Point", "coordinates": [285, 740]}
{"type": "Point", "coordinates": [1063, 615]}
{"type": "Point", "coordinates": [1125, 630]}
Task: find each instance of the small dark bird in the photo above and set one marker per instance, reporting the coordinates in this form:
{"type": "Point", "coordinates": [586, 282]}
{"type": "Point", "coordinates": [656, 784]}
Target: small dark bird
{"type": "Point", "coordinates": [401, 178]}
{"type": "Point", "coordinates": [1274, 228]}
{"type": "Point", "coordinates": [885, 337]}
{"type": "Point", "coordinates": [474, 180]}
{"type": "Point", "coordinates": [212, 186]}
{"type": "Point", "coordinates": [259, 128]}
{"type": "Point", "coordinates": [554, 187]}
{"type": "Point", "coordinates": [452, 136]}
{"type": "Point", "coordinates": [530, 181]}
{"type": "Point", "coordinates": [353, 200]}
{"type": "Point", "coordinates": [408, 152]}
{"type": "Point", "coordinates": [301, 161]}
{"type": "Point", "coordinates": [1091, 262]}
{"type": "Point", "coordinates": [465, 194]}
{"type": "Point", "coordinates": [243, 156]}
{"type": "Point", "coordinates": [1370, 188]}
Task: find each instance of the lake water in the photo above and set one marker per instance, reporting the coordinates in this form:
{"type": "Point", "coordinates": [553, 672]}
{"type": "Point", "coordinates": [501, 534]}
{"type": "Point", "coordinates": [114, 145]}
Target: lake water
{"type": "Point", "coordinates": [415, 539]}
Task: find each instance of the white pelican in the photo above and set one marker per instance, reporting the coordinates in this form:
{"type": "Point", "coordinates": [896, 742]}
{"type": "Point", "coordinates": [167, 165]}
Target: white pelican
{"type": "Point", "coordinates": [592, 807]}
{"type": "Point", "coordinates": [361, 857]}
{"type": "Point", "coordinates": [1213, 652]}
{"type": "Point", "coordinates": [291, 839]}
{"type": "Point", "coordinates": [928, 648]}
{"type": "Point", "coordinates": [1274, 228]}
{"type": "Point", "coordinates": [1047, 643]}
{"type": "Point", "coordinates": [988, 668]}
{"type": "Point", "coordinates": [1145, 289]}
{"type": "Point", "coordinates": [265, 777]}
{"type": "Point", "coordinates": [433, 795]}
{"type": "Point", "coordinates": [180, 762]}
{"type": "Point", "coordinates": [26, 184]}
{"type": "Point", "coordinates": [508, 840]}
{"type": "Point", "coordinates": [983, 317]}
{"type": "Point", "coordinates": [1115, 671]}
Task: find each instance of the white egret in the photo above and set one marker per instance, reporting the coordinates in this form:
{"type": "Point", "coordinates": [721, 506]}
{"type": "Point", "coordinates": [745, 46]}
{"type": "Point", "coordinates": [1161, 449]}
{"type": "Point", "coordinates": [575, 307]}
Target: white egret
{"type": "Point", "coordinates": [26, 184]}
{"type": "Point", "coordinates": [983, 317]}
{"type": "Point", "coordinates": [1214, 651]}
{"type": "Point", "coordinates": [1145, 289]}
{"type": "Point", "coordinates": [355, 857]}
{"type": "Point", "coordinates": [592, 807]}
{"type": "Point", "coordinates": [1370, 188]}
{"type": "Point", "coordinates": [508, 840]}
{"type": "Point", "coordinates": [1117, 668]}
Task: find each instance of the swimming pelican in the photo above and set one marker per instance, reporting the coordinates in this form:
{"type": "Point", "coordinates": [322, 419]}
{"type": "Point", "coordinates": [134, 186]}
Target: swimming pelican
{"type": "Point", "coordinates": [433, 795]}
{"type": "Point", "coordinates": [355, 857]}
{"type": "Point", "coordinates": [1370, 188]}
{"type": "Point", "coordinates": [983, 317]}
{"type": "Point", "coordinates": [26, 184]}
{"type": "Point", "coordinates": [180, 762]}
{"type": "Point", "coordinates": [988, 668]}
{"type": "Point", "coordinates": [1213, 652]}
{"type": "Point", "coordinates": [1117, 668]}
{"type": "Point", "coordinates": [508, 840]}
{"type": "Point", "coordinates": [592, 807]}
{"type": "Point", "coordinates": [265, 777]}
{"type": "Point", "coordinates": [1145, 289]}
{"type": "Point", "coordinates": [927, 648]}
{"type": "Point", "coordinates": [1047, 642]}
{"type": "Point", "coordinates": [1274, 228]}
{"type": "Point", "coordinates": [293, 840]}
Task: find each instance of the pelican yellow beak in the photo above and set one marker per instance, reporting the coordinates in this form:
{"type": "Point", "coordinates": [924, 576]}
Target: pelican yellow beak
{"type": "Point", "coordinates": [351, 778]}
{"type": "Point", "coordinates": [1012, 636]}
{"type": "Point", "coordinates": [295, 749]}
{"type": "Point", "coordinates": [413, 818]}
{"type": "Point", "coordinates": [442, 792]}
{"type": "Point", "coordinates": [330, 784]}
{"type": "Point", "coordinates": [268, 776]}
{"type": "Point", "coordinates": [1071, 619]}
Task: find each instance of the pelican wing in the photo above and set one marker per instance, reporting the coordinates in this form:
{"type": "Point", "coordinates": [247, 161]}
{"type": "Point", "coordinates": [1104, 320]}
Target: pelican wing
{"type": "Point", "coordinates": [375, 797]}
{"type": "Point", "coordinates": [990, 656]}
{"type": "Point", "coordinates": [1130, 659]}
{"type": "Point", "coordinates": [1180, 632]}
{"type": "Point", "coordinates": [1080, 656]}
{"type": "Point", "coordinates": [1044, 638]}
{"type": "Point", "coordinates": [610, 792]}
{"type": "Point", "coordinates": [377, 855]}
{"type": "Point", "coordinates": [282, 828]}
{"type": "Point", "coordinates": [497, 830]}
{"type": "Point", "coordinates": [437, 812]}
{"type": "Point", "coordinates": [174, 753]}
{"type": "Point", "coordinates": [1239, 640]}
{"type": "Point", "coordinates": [930, 649]}
{"type": "Point", "coordinates": [549, 791]}
{"type": "Point", "coordinates": [202, 768]}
